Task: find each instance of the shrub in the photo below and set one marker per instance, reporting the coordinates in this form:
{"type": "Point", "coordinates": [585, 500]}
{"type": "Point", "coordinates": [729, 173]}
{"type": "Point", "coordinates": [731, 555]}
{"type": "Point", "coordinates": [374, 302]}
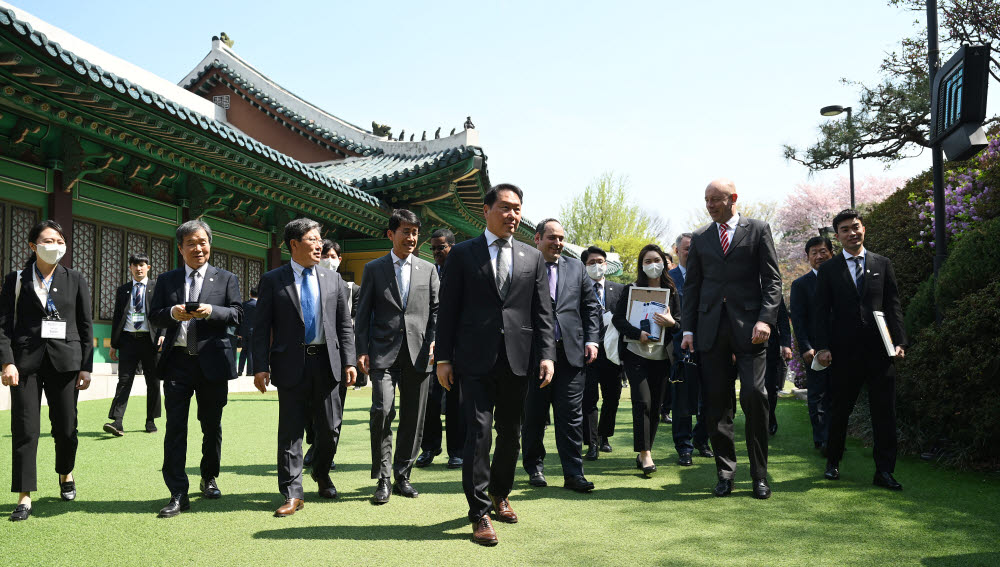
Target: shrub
{"type": "Point", "coordinates": [920, 311]}
{"type": "Point", "coordinates": [972, 263]}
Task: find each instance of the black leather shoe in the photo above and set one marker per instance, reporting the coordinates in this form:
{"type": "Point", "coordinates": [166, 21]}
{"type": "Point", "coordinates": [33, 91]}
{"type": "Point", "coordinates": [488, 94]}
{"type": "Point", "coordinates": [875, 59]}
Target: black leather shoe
{"type": "Point", "coordinates": [20, 513]}
{"type": "Point", "coordinates": [832, 472]}
{"type": "Point", "coordinates": [605, 446]}
{"type": "Point", "coordinates": [150, 427]}
{"type": "Point", "coordinates": [724, 487]}
{"type": "Point", "coordinates": [333, 466]}
{"type": "Point", "coordinates": [537, 479]}
{"type": "Point", "coordinates": [685, 460]}
{"type": "Point", "coordinates": [885, 480]}
{"type": "Point", "coordinates": [592, 453]}
{"type": "Point", "coordinates": [704, 451]}
{"type": "Point", "coordinates": [382, 491]}
{"type": "Point", "coordinates": [209, 489]}
{"type": "Point", "coordinates": [67, 490]}
{"type": "Point", "coordinates": [178, 503]}
{"type": "Point", "coordinates": [772, 427]}
{"type": "Point", "coordinates": [578, 483]}
{"type": "Point", "coordinates": [403, 487]}
{"type": "Point", "coordinates": [455, 462]}
{"type": "Point", "coordinates": [425, 459]}
{"type": "Point", "coordinates": [307, 460]}
{"type": "Point", "coordinates": [326, 487]}
{"type": "Point", "coordinates": [761, 491]}
{"type": "Point", "coordinates": [114, 428]}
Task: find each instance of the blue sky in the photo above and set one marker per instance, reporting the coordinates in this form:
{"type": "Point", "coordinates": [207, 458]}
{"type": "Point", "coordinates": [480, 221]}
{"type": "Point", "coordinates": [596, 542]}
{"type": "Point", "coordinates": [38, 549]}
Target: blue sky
{"type": "Point", "coordinates": [670, 94]}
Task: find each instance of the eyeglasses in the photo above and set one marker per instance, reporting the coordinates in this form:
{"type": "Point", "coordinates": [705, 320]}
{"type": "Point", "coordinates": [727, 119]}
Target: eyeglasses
{"type": "Point", "coordinates": [312, 240]}
{"type": "Point", "coordinates": [440, 248]}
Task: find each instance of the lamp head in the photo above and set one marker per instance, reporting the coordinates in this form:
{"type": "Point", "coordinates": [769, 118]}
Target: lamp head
{"type": "Point", "coordinates": [831, 110]}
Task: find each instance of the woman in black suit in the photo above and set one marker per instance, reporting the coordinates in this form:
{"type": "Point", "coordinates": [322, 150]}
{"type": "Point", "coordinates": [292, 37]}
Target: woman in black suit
{"type": "Point", "coordinates": [46, 345]}
{"type": "Point", "coordinates": [647, 365]}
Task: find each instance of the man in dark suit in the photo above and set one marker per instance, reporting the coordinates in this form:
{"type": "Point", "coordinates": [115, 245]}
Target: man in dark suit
{"type": "Point", "coordinates": [199, 307]}
{"type": "Point", "coordinates": [303, 341]}
{"type": "Point", "coordinates": [686, 396]}
{"type": "Point", "coordinates": [602, 375]}
{"type": "Point", "coordinates": [395, 342]}
{"type": "Point", "coordinates": [497, 314]}
{"type": "Point", "coordinates": [731, 296]}
{"type": "Point", "coordinates": [133, 340]}
{"type": "Point", "coordinates": [818, 250]}
{"type": "Point", "coordinates": [577, 332]}
{"type": "Point", "coordinates": [849, 289]}
{"type": "Point", "coordinates": [246, 333]}
{"type": "Point", "coordinates": [442, 240]}
{"type": "Point", "coordinates": [779, 352]}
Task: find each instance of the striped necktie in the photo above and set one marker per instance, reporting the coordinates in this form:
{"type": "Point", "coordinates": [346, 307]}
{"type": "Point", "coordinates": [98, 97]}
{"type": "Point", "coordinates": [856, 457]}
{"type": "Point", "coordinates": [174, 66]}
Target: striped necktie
{"type": "Point", "coordinates": [724, 237]}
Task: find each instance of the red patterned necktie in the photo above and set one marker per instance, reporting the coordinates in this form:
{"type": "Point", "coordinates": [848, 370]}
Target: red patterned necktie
{"type": "Point", "coordinates": [724, 237]}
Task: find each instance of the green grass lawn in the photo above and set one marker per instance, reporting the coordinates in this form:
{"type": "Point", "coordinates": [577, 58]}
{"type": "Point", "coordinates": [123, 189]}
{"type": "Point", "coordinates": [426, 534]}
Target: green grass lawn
{"type": "Point", "coordinates": [941, 518]}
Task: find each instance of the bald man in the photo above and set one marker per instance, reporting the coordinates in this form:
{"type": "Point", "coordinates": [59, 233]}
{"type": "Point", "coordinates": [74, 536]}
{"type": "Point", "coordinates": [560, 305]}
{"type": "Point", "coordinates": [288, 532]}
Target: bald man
{"type": "Point", "coordinates": [731, 296]}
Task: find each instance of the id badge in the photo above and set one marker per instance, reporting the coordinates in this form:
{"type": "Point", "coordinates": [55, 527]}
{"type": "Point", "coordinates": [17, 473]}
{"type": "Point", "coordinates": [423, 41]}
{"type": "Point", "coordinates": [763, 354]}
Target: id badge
{"type": "Point", "coordinates": [138, 319]}
{"type": "Point", "coordinates": [53, 329]}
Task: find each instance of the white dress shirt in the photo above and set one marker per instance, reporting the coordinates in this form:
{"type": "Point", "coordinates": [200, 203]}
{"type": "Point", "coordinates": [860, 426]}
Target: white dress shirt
{"type": "Point", "coordinates": [297, 271]}
{"type": "Point", "coordinates": [39, 286]}
{"type": "Point", "coordinates": [129, 327]}
{"type": "Point", "coordinates": [731, 223]}
{"type": "Point", "coordinates": [507, 251]}
{"type": "Point", "coordinates": [402, 272]}
{"type": "Point", "coordinates": [181, 340]}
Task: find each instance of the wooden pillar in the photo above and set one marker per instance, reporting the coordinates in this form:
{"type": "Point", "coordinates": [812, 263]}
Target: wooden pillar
{"type": "Point", "coordinates": [61, 211]}
{"type": "Point", "coordinates": [274, 252]}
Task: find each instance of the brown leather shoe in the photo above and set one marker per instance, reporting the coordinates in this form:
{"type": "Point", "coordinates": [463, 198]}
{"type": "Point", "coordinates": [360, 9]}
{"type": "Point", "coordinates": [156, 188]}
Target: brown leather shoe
{"type": "Point", "coordinates": [505, 514]}
{"type": "Point", "coordinates": [483, 532]}
{"type": "Point", "coordinates": [291, 506]}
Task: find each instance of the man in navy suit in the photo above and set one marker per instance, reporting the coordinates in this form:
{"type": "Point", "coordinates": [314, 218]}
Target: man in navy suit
{"type": "Point", "coordinates": [198, 358]}
{"type": "Point", "coordinates": [246, 332]}
{"type": "Point", "coordinates": [849, 289]}
{"type": "Point", "coordinates": [818, 250]}
{"type": "Point", "coordinates": [577, 332]}
{"type": "Point", "coordinates": [687, 388]}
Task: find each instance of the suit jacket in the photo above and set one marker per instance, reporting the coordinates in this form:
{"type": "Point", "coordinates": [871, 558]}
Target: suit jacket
{"type": "Point", "coordinates": [216, 347]}
{"type": "Point", "coordinates": [246, 326]}
{"type": "Point", "coordinates": [746, 278]}
{"type": "Point", "coordinates": [473, 319]}
{"type": "Point", "coordinates": [123, 301]}
{"type": "Point", "coordinates": [379, 330]}
{"type": "Point", "coordinates": [576, 309]}
{"type": "Point", "coordinates": [279, 330]}
{"type": "Point", "coordinates": [612, 292]}
{"type": "Point", "coordinates": [23, 345]}
{"type": "Point", "coordinates": [842, 314]}
{"type": "Point", "coordinates": [802, 298]}
{"type": "Point", "coordinates": [781, 331]}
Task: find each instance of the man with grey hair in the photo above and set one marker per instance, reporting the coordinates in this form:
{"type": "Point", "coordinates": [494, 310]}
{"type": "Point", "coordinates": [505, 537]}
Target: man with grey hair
{"type": "Point", "coordinates": [199, 307]}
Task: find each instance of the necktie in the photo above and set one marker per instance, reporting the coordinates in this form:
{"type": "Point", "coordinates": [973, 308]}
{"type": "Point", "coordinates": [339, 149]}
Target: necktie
{"type": "Point", "coordinates": [503, 269]}
{"type": "Point", "coordinates": [192, 333]}
{"type": "Point", "coordinates": [724, 237]}
{"type": "Point", "coordinates": [308, 306]}
{"type": "Point", "coordinates": [553, 287]}
{"type": "Point", "coordinates": [137, 302]}
{"type": "Point", "coordinates": [403, 282]}
{"type": "Point", "coordinates": [859, 275]}
{"type": "Point", "coordinates": [598, 288]}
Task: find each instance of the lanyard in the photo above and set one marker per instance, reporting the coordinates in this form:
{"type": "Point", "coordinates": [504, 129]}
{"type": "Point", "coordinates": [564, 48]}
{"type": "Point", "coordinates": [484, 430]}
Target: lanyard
{"type": "Point", "coordinates": [50, 306]}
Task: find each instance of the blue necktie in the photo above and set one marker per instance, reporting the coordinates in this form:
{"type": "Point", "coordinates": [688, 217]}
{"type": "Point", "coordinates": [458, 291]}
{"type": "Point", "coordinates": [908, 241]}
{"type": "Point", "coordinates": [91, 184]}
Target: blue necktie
{"type": "Point", "coordinates": [859, 273]}
{"type": "Point", "coordinates": [308, 306]}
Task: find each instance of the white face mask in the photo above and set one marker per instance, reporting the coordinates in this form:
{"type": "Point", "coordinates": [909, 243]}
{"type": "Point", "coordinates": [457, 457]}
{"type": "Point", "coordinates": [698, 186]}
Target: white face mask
{"type": "Point", "coordinates": [653, 270]}
{"type": "Point", "coordinates": [330, 263]}
{"type": "Point", "coordinates": [50, 253]}
{"type": "Point", "coordinates": [597, 271]}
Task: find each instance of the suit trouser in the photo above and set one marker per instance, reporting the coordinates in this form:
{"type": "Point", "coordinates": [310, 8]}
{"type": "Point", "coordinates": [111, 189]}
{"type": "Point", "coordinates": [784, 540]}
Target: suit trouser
{"type": "Point", "coordinates": [717, 377]}
{"type": "Point", "coordinates": [604, 376]}
{"type": "Point", "coordinates": [316, 396]}
{"type": "Point", "coordinates": [686, 402]}
{"type": "Point", "coordinates": [852, 370]}
{"type": "Point", "coordinates": [310, 436]}
{"type": "Point", "coordinates": [565, 394]}
{"type": "Point", "coordinates": [25, 423]}
{"type": "Point", "coordinates": [413, 385]}
{"type": "Point", "coordinates": [645, 380]}
{"type": "Point", "coordinates": [183, 379]}
{"type": "Point", "coordinates": [134, 349]}
{"type": "Point", "coordinates": [491, 401]}
{"type": "Point", "coordinates": [774, 375]}
{"type": "Point", "coordinates": [246, 356]}
{"type": "Point", "coordinates": [454, 422]}
{"type": "Point", "coordinates": [819, 397]}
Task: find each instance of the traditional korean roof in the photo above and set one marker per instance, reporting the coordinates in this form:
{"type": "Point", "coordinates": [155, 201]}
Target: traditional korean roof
{"type": "Point", "coordinates": [375, 172]}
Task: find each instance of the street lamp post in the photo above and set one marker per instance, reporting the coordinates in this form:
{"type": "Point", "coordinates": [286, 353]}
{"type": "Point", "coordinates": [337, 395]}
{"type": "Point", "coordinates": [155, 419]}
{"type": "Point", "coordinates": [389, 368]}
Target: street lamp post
{"type": "Point", "coordinates": [834, 110]}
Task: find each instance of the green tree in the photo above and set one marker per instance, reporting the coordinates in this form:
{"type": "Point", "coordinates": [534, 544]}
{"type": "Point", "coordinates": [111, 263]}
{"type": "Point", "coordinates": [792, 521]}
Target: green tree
{"type": "Point", "coordinates": [892, 119]}
{"type": "Point", "coordinates": [605, 215]}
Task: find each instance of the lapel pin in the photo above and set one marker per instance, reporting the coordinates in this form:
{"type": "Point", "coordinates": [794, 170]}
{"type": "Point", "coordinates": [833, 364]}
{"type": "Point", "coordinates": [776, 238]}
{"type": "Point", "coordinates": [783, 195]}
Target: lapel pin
{"type": "Point", "coordinates": [520, 253]}
{"type": "Point", "coordinates": [211, 279]}
{"type": "Point", "coordinates": [55, 289]}
{"type": "Point", "coordinates": [322, 275]}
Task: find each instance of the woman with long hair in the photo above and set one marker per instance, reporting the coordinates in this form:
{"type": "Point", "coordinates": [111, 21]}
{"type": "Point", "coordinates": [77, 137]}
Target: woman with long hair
{"type": "Point", "coordinates": [647, 364]}
{"type": "Point", "coordinates": [46, 345]}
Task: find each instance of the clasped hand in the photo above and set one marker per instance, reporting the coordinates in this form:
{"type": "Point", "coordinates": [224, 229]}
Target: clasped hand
{"type": "Point", "coordinates": [178, 312]}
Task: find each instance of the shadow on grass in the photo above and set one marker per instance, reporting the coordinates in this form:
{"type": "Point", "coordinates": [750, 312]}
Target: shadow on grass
{"type": "Point", "coordinates": [433, 532]}
{"type": "Point", "coordinates": [986, 559]}
{"type": "Point", "coordinates": [260, 501]}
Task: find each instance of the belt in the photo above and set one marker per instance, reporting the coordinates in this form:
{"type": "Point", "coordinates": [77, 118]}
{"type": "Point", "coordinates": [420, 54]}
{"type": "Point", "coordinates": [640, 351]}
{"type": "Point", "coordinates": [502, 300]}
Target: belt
{"type": "Point", "coordinates": [136, 333]}
{"type": "Point", "coordinates": [313, 350]}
